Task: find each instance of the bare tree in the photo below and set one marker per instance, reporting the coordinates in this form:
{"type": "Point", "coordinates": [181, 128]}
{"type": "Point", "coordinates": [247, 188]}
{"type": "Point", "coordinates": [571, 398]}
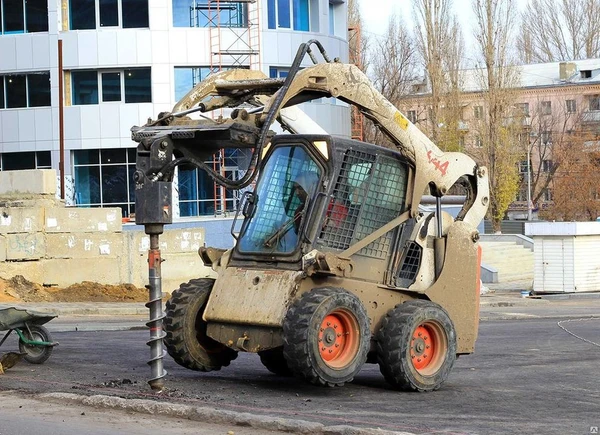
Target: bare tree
{"type": "Point", "coordinates": [560, 30]}
{"type": "Point", "coordinates": [439, 42]}
{"type": "Point", "coordinates": [549, 135]}
{"type": "Point", "coordinates": [498, 145]}
{"type": "Point", "coordinates": [392, 66]}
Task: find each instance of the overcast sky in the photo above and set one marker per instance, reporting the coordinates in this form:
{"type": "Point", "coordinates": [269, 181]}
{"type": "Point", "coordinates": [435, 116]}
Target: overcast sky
{"type": "Point", "coordinates": [376, 18]}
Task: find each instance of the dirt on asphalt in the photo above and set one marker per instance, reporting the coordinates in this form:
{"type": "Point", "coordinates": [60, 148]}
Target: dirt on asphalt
{"type": "Point", "coordinates": [19, 289]}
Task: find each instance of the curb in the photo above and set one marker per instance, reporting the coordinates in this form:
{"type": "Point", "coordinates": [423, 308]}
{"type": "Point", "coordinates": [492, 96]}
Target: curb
{"type": "Point", "coordinates": [205, 414]}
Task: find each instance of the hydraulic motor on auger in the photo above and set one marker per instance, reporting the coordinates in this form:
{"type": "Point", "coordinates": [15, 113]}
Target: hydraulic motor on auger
{"type": "Point", "coordinates": [335, 265]}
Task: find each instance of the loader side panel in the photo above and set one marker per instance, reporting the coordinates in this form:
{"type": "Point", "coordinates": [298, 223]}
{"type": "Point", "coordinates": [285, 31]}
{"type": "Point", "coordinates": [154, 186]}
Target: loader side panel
{"type": "Point", "coordinates": [457, 287]}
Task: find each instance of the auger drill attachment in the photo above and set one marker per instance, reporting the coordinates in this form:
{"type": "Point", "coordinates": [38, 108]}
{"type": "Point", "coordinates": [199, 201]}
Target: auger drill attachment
{"type": "Point", "coordinates": [153, 207]}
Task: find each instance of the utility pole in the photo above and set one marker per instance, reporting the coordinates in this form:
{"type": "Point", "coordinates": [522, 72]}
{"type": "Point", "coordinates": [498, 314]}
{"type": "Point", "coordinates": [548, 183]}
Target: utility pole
{"type": "Point", "coordinates": [528, 180]}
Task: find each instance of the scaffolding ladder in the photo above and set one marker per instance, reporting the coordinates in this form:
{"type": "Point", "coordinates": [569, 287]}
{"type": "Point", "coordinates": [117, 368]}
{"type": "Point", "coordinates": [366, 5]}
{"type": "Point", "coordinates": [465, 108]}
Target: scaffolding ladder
{"type": "Point", "coordinates": [232, 47]}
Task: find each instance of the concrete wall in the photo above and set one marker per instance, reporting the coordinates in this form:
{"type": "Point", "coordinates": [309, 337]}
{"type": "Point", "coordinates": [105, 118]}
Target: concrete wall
{"type": "Point", "coordinates": [49, 243]}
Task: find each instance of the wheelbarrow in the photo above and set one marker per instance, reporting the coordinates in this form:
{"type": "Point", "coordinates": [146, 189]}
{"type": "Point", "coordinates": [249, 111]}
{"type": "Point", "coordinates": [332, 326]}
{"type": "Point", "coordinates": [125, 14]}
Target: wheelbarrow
{"type": "Point", "coordinates": [35, 341]}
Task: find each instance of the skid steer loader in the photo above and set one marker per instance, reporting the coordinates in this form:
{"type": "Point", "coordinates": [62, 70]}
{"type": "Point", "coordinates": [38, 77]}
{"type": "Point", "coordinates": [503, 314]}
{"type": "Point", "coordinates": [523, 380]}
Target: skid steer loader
{"type": "Point", "coordinates": [334, 265]}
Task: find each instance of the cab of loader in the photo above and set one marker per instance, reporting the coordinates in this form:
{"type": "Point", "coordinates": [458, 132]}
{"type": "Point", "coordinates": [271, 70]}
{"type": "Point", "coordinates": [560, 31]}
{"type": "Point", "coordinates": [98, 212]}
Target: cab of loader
{"type": "Point", "coordinates": [325, 193]}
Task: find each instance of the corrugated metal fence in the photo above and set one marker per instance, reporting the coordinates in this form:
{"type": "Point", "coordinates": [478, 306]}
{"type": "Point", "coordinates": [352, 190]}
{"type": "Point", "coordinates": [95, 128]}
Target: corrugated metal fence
{"type": "Point", "coordinates": [507, 227]}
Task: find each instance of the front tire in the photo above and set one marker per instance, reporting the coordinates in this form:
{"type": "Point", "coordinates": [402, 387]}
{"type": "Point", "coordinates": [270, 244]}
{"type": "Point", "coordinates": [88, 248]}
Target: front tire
{"type": "Point", "coordinates": [186, 339]}
{"type": "Point", "coordinates": [326, 336]}
{"type": "Point", "coordinates": [36, 354]}
{"type": "Point", "coordinates": [416, 346]}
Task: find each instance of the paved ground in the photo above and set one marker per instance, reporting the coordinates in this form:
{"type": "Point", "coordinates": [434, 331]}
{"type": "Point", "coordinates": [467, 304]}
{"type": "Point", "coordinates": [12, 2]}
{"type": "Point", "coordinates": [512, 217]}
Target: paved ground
{"type": "Point", "coordinates": [503, 302]}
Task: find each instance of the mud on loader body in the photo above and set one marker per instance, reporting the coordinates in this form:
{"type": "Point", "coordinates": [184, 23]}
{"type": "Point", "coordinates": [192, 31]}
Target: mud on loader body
{"type": "Point", "coordinates": [334, 265]}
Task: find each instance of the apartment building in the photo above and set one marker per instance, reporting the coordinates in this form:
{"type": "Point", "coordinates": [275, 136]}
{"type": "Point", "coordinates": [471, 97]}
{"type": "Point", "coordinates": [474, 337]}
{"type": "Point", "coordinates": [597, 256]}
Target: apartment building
{"type": "Point", "coordinates": [124, 61]}
{"type": "Point", "coordinates": [554, 103]}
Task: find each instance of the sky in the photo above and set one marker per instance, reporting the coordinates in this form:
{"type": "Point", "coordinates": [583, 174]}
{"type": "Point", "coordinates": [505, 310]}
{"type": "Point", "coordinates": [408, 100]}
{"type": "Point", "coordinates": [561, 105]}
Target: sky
{"type": "Point", "coordinates": [376, 18]}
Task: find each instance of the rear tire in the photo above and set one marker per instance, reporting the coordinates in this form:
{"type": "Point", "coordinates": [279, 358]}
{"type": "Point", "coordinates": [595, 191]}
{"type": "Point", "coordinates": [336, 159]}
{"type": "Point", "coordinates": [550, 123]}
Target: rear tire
{"type": "Point", "coordinates": [416, 346]}
{"type": "Point", "coordinates": [275, 362]}
{"type": "Point", "coordinates": [186, 338]}
{"type": "Point", "coordinates": [36, 354]}
{"type": "Point", "coordinates": [326, 336]}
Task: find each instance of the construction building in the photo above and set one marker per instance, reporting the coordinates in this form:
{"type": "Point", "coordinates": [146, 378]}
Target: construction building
{"type": "Point", "coordinates": [76, 75]}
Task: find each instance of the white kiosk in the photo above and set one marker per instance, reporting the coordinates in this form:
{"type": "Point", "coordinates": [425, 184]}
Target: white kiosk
{"type": "Point", "coordinates": [566, 256]}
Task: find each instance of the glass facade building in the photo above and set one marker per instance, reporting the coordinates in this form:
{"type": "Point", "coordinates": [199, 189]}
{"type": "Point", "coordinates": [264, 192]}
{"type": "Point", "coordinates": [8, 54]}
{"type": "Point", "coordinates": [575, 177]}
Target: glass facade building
{"type": "Point", "coordinates": [125, 61]}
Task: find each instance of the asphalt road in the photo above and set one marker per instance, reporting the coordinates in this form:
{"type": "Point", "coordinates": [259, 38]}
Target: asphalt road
{"type": "Point", "coordinates": [527, 376]}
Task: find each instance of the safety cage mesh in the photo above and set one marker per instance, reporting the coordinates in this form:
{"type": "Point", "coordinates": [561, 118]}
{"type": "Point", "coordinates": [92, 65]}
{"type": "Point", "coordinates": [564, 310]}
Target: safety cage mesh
{"type": "Point", "coordinates": [369, 192]}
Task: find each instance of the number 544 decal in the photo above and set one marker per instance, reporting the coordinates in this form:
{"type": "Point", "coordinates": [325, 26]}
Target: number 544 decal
{"type": "Point", "coordinates": [442, 167]}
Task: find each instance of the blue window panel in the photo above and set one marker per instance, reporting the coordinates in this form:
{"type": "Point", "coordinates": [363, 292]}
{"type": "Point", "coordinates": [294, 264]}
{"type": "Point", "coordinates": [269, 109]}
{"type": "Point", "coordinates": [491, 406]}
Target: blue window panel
{"type": "Point", "coordinates": [188, 77]}
{"type": "Point", "coordinates": [187, 13]}
{"type": "Point", "coordinates": [183, 82]}
{"type": "Point", "coordinates": [182, 13]}
{"type": "Point", "coordinates": [14, 16]}
{"type": "Point", "coordinates": [82, 14]}
{"type": "Point", "coordinates": [84, 87]}
{"type": "Point", "coordinates": [278, 73]}
{"type": "Point", "coordinates": [272, 24]}
{"type": "Point", "coordinates": [86, 157]}
{"type": "Point", "coordinates": [131, 171]}
{"type": "Point", "coordinates": [301, 15]}
{"type": "Point", "coordinates": [188, 184]}
{"type": "Point", "coordinates": [138, 86]}
{"type": "Point", "coordinates": [39, 89]}
{"type": "Point", "coordinates": [111, 86]}
{"type": "Point", "coordinates": [2, 92]}
{"type": "Point", "coordinates": [36, 13]}
{"type": "Point", "coordinates": [112, 156]}
{"type": "Point", "coordinates": [283, 13]}
{"type": "Point", "coordinates": [18, 161]}
{"type": "Point", "coordinates": [331, 19]}
{"type": "Point", "coordinates": [16, 91]}
{"type": "Point", "coordinates": [135, 14]}
{"type": "Point", "coordinates": [114, 184]}
{"type": "Point", "coordinates": [109, 13]}
{"type": "Point", "coordinates": [43, 159]}
{"type": "Point", "coordinates": [87, 184]}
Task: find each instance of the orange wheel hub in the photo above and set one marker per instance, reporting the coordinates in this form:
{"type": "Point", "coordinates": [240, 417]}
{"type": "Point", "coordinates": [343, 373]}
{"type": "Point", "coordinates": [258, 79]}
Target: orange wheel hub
{"type": "Point", "coordinates": [338, 338]}
{"type": "Point", "coordinates": [428, 348]}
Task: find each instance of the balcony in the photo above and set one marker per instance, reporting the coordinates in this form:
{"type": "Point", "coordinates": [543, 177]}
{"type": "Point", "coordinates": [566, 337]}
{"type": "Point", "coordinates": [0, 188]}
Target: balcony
{"type": "Point", "coordinates": [590, 117]}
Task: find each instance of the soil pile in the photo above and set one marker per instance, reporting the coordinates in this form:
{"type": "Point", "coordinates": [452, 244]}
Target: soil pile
{"type": "Point", "coordinates": [18, 289]}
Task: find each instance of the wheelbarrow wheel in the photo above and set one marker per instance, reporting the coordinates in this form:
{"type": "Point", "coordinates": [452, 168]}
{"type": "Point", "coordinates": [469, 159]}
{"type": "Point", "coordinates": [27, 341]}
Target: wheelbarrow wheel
{"type": "Point", "coordinates": [32, 353]}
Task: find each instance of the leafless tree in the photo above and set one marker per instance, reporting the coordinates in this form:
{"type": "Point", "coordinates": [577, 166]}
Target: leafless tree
{"type": "Point", "coordinates": [392, 66]}
{"type": "Point", "coordinates": [550, 136]}
{"type": "Point", "coordinates": [498, 139]}
{"type": "Point", "coordinates": [439, 42]}
{"type": "Point", "coordinates": [560, 30]}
